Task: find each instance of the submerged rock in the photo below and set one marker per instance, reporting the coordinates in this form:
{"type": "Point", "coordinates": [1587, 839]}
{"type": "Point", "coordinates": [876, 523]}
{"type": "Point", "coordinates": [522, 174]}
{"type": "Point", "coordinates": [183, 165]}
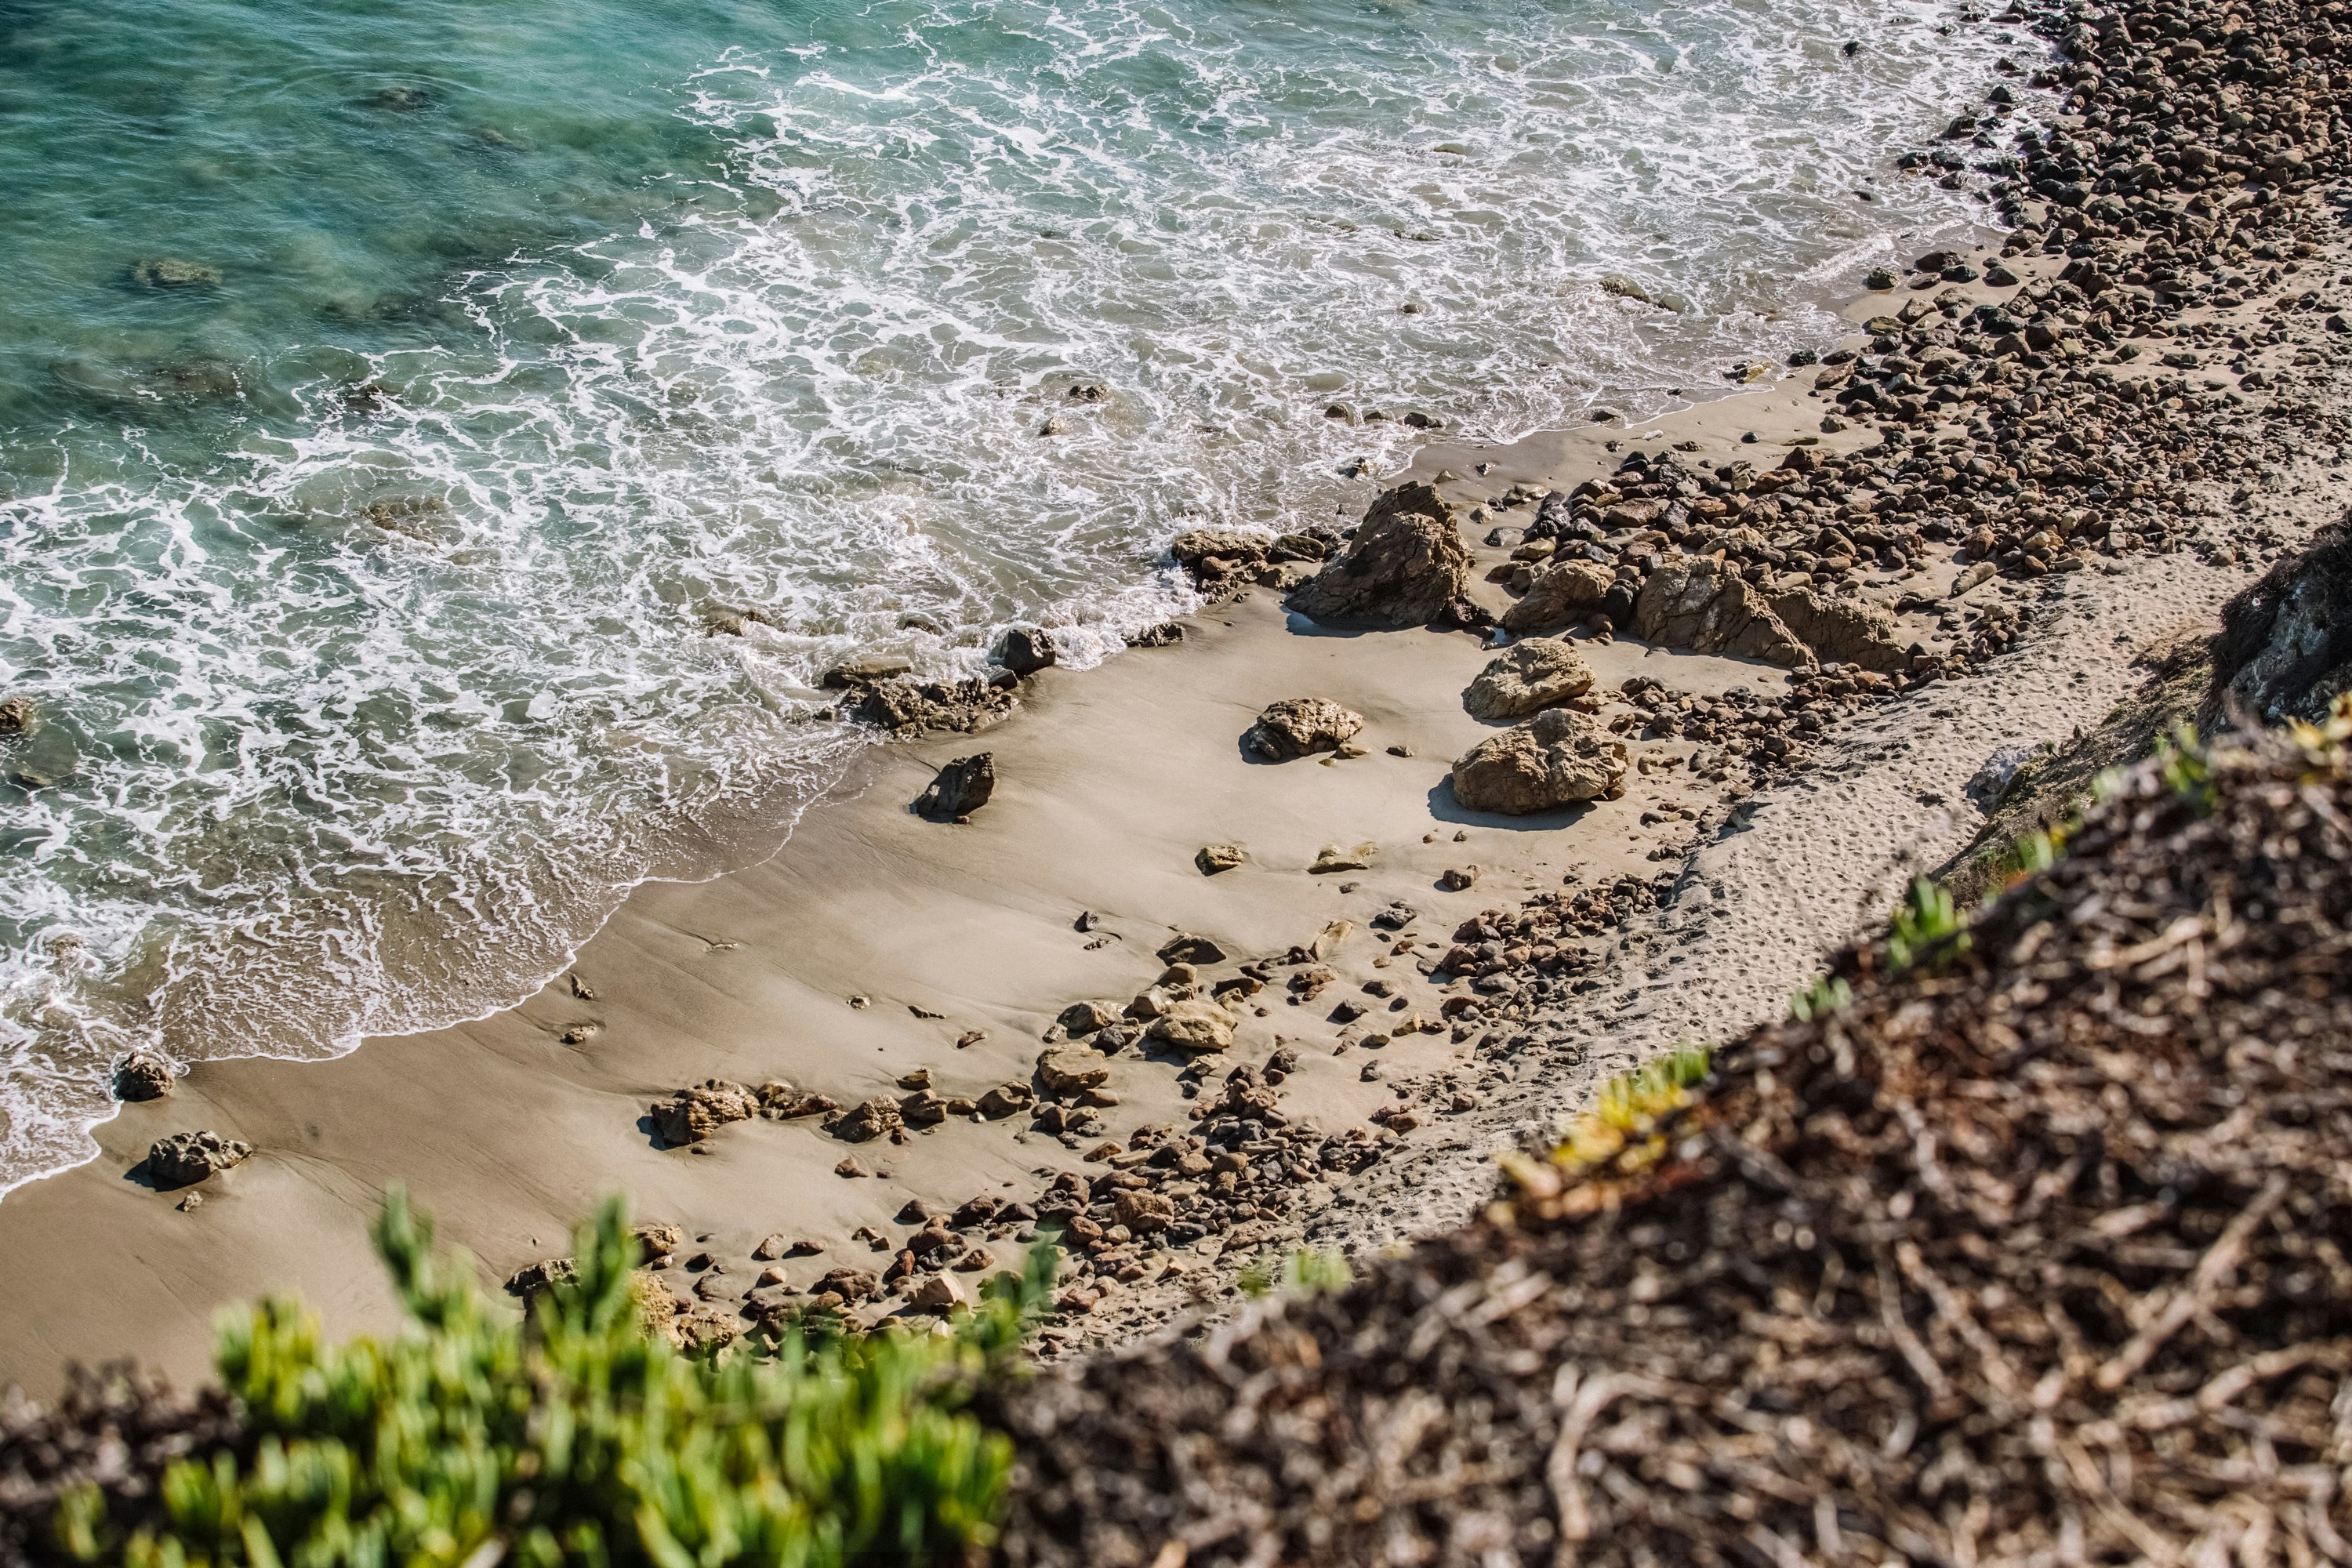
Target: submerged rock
{"type": "Point", "coordinates": [1556, 759]}
{"type": "Point", "coordinates": [1405, 567]}
{"type": "Point", "coordinates": [186, 1158]}
{"type": "Point", "coordinates": [1539, 673]}
{"type": "Point", "coordinates": [1300, 726]}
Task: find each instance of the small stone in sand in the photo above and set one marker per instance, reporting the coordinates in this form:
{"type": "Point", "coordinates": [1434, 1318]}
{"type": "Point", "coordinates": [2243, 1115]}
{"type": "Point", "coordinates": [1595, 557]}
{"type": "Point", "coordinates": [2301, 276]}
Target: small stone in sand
{"type": "Point", "coordinates": [969, 1039]}
{"type": "Point", "coordinates": [1213, 858]}
{"type": "Point", "coordinates": [849, 1167]}
{"type": "Point", "coordinates": [1332, 857]}
{"type": "Point", "coordinates": [861, 1002]}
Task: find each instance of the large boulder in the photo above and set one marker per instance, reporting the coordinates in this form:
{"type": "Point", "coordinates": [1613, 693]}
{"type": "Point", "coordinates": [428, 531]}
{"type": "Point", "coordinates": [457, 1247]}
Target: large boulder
{"type": "Point", "coordinates": [1556, 759]}
{"type": "Point", "coordinates": [690, 1115]}
{"type": "Point", "coordinates": [1026, 651]}
{"type": "Point", "coordinates": [1848, 630]}
{"type": "Point", "coordinates": [1405, 567]}
{"type": "Point", "coordinates": [2286, 648]}
{"type": "Point", "coordinates": [1299, 726]}
{"type": "Point", "coordinates": [1561, 595]}
{"type": "Point", "coordinates": [187, 1158]}
{"type": "Point", "coordinates": [1526, 676]}
{"type": "Point", "coordinates": [1698, 603]}
{"type": "Point", "coordinates": [1069, 1071]}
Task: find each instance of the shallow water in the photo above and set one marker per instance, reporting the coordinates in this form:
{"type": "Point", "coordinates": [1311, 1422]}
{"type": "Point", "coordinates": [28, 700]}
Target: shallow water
{"type": "Point", "coordinates": [403, 407]}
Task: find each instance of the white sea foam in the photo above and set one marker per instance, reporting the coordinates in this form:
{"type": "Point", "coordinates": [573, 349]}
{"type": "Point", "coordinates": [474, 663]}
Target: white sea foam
{"type": "Point", "coordinates": [366, 725]}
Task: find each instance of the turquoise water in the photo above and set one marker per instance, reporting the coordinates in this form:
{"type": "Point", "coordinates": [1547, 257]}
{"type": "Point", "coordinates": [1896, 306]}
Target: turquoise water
{"type": "Point", "coordinates": [440, 444]}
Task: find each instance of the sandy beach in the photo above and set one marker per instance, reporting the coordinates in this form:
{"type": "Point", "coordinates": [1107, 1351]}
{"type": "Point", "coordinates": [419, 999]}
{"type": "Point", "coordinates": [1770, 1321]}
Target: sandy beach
{"type": "Point", "coordinates": [879, 946]}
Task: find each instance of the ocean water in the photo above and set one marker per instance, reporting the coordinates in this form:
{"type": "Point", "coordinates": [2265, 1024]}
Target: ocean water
{"type": "Point", "coordinates": [441, 444]}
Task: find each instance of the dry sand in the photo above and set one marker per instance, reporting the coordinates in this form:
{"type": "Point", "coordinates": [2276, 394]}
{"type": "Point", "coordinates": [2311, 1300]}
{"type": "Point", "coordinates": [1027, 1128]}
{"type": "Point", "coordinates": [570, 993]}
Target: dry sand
{"type": "Point", "coordinates": [508, 1129]}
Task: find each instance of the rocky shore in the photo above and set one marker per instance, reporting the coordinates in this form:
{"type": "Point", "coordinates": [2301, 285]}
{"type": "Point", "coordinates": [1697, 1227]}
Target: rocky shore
{"type": "Point", "coordinates": [1169, 988]}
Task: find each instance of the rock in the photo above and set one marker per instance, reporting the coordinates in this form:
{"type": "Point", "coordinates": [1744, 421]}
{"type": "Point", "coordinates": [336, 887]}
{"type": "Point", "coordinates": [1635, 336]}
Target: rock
{"type": "Point", "coordinates": [1526, 676]}
{"type": "Point", "coordinates": [1006, 1099]}
{"type": "Point", "coordinates": [1459, 879]}
{"type": "Point", "coordinates": [1142, 1212]}
{"type": "Point", "coordinates": [1300, 726]}
{"type": "Point", "coordinates": [1326, 940]}
{"type": "Point", "coordinates": [141, 1075]}
{"type": "Point", "coordinates": [171, 272]}
{"type": "Point", "coordinates": [690, 1115]}
{"type": "Point", "coordinates": [657, 1240]}
{"type": "Point", "coordinates": [1200, 544]}
{"type": "Point", "coordinates": [1332, 857]}
{"type": "Point", "coordinates": [1700, 603]}
{"type": "Point", "coordinates": [1080, 1020]}
{"type": "Point", "coordinates": [849, 1284]}
{"type": "Point", "coordinates": [2286, 648]}
{"type": "Point", "coordinates": [1186, 948]}
{"type": "Point", "coordinates": [924, 1108]}
{"type": "Point", "coordinates": [962, 787]}
{"type": "Point", "coordinates": [1558, 759]}
{"type": "Point", "coordinates": [912, 707]}
{"type": "Point", "coordinates": [1213, 858]}
{"type": "Point", "coordinates": [938, 1293]}
{"type": "Point", "coordinates": [1843, 630]}
{"type": "Point", "coordinates": [774, 1246]}
{"type": "Point", "coordinates": [1193, 1026]}
{"type": "Point", "coordinates": [187, 1158]}
{"type": "Point", "coordinates": [1561, 594]}
{"type": "Point", "coordinates": [1026, 651]}
{"type": "Point", "coordinates": [1166, 634]}
{"type": "Point", "coordinates": [1068, 1071]}
{"type": "Point", "coordinates": [1405, 566]}
{"type": "Point", "coordinates": [532, 1278]}
{"type": "Point", "coordinates": [19, 715]}
{"type": "Point", "coordinates": [868, 1120]}
{"type": "Point", "coordinates": [865, 671]}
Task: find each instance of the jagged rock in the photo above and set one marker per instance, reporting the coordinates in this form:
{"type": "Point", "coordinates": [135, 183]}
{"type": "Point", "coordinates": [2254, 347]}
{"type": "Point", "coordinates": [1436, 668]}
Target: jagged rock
{"type": "Point", "coordinates": [19, 715]}
{"type": "Point", "coordinates": [912, 707]}
{"type": "Point", "coordinates": [868, 1120]}
{"type": "Point", "coordinates": [1556, 759]}
{"type": "Point", "coordinates": [849, 1284]}
{"type": "Point", "coordinates": [866, 670]}
{"type": "Point", "coordinates": [1406, 565]}
{"type": "Point", "coordinates": [1026, 651]}
{"type": "Point", "coordinates": [1844, 631]}
{"type": "Point", "coordinates": [1700, 603]}
{"type": "Point", "coordinates": [1300, 726]}
{"type": "Point", "coordinates": [962, 787]}
{"type": "Point", "coordinates": [1067, 1072]}
{"type": "Point", "coordinates": [141, 1075]}
{"type": "Point", "coordinates": [690, 1115]}
{"type": "Point", "coordinates": [1080, 1020]}
{"type": "Point", "coordinates": [1006, 1099]}
{"type": "Point", "coordinates": [1193, 1026]}
{"type": "Point", "coordinates": [657, 1240]}
{"type": "Point", "coordinates": [1213, 858]}
{"type": "Point", "coordinates": [1539, 673]}
{"type": "Point", "coordinates": [2286, 648]}
{"type": "Point", "coordinates": [1561, 594]}
{"type": "Point", "coordinates": [186, 1158]}
{"type": "Point", "coordinates": [1186, 948]}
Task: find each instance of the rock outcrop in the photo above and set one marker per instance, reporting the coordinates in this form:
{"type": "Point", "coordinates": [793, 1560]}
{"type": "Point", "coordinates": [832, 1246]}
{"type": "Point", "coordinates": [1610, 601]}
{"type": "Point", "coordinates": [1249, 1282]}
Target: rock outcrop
{"type": "Point", "coordinates": [1540, 673]}
{"type": "Point", "coordinates": [2286, 648]}
{"type": "Point", "coordinates": [1563, 594]}
{"type": "Point", "coordinates": [1026, 651]}
{"type": "Point", "coordinates": [906, 707]}
{"type": "Point", "coordinates": [1556, 759]}
{"type": "Point", "coordinates": [1300, 726]}
{"type": "Point", "coordinates": [1405, 567]}
{"type": "Point", "coordinates": [692, 1114]}
{"type": "Point", "coordinates": [187, 1158]}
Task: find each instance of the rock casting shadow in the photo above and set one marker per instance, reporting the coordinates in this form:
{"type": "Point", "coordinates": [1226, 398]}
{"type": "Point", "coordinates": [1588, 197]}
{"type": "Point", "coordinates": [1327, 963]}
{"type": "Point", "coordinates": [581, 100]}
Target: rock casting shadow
{"type": "Point", "coordinates": [1445, 809]}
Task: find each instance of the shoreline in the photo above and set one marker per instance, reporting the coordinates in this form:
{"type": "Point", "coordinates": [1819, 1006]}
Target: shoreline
{"type": "Point", "coordinates": [1111, 779]}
